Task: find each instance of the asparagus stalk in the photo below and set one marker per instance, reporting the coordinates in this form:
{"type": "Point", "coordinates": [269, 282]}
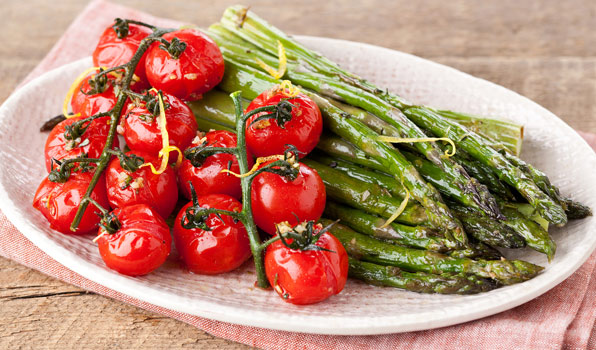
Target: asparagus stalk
{"type": "Point", "coordinates": [366, 248]}
{"type": "Point", "coordinates": [534, 235]}
{"type": "Point", "coordinates": [214, 111]}
{"type": "Point", "coordinates": [216, 105]}
{"type": "Point", "coordinates": [366, 196]}
{"type": "Point", "coordinates": [504, 234]}
{"type": "Point", "coordinates": [484, 175]}
{"type": "Point", "coordinates": [374, 199]}
{"type": "Point", "coordinates": [474, 196]}
{"type": "Point", "coordinates": [476, 146]}
{"type": "Point", "coordinates": [477, 250]}
{"type": "Point", "coordinates": [341, 149]}
{"type": "Point", "coordinates": [419, 282]}
{"type": "Point", "coordinates": [539, 178]}
{"type": "Point", "coordinates": [496, 234]}
{"type": "Point", "coordinates": [576, 210]}
{"type": "Point", "coordinates": [492, 232]}
{"type": "Point", "coordinates": [237, 78]}
{"type": "Point", "coordinates": [261, 34]}
{"type": "Point", "coordinates": [411, 236]}
{"type": "Point", "coordinates": [360, 173]}
{"type": "Point", "coordinates": [207, 124]}
{"type": "Point", "coordinates": [509, 134]}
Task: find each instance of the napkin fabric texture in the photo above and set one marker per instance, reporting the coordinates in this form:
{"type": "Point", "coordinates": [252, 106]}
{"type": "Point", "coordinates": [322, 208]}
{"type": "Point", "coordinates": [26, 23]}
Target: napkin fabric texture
{"type": "Point", "coordinates": [563, 318]}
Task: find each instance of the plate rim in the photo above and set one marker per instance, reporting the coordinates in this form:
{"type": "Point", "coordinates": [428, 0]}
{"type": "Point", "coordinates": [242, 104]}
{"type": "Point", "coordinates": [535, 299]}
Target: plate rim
{"type": "Point", "coordinates": [258, 318]}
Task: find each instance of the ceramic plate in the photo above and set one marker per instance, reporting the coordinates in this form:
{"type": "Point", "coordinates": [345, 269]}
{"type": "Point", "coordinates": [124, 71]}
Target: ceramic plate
{"type": "Point", "coordinates": [360, 309]}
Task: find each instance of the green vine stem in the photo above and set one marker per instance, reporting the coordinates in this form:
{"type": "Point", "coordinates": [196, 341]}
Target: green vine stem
{"type": "Point", "coordinates": [288, 167]}
{"type": "Point", "coordinates": [115, 112]}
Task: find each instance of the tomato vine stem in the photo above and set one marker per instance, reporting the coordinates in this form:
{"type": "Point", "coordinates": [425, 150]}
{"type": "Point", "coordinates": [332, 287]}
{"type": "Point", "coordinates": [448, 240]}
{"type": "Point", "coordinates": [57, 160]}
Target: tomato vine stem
{"type": "Point", "coordinates": [115, 113]}
{"type": "Point", "coordinates": [282, 167]}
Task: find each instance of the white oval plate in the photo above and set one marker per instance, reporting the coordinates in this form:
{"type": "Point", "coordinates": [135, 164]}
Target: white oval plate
{"type": "Point", "coordinates": [359, 309]}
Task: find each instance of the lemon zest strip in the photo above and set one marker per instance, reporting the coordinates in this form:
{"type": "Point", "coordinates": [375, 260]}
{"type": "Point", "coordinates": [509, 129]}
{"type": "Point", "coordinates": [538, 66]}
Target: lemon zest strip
{"type": "Point", "coordinates": [288, 89]}
{"type": "Point", "coordinates": [72, 89]}
{"type": "Point", "coordinates": [283, 61]}
{"type": "Point", "coordinates": [400, 209]}
{"type": "Point", "coordinates": [448, 153]}
{"type": "Point", "coordinates": [255, 167]}
{"type": "Point", "coordinates": [164, 153]}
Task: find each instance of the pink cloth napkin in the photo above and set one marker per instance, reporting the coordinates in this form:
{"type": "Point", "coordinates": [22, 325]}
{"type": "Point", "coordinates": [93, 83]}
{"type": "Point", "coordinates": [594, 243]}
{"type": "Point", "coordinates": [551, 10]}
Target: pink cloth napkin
{"type": "Point", "coordinates": [562, 318]}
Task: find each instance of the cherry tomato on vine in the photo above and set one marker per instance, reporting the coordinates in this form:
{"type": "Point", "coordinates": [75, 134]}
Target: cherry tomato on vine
{"type": "Point", "coordinates": [90, 143]}
{"type": "Point", "coordinates": [141, 128]}
{"type": "Point", "coordinates": [221, 249]}
{"type": "Point", "coordinates": [307, 276]}
{"type": "Point", "coordinates": [158, 191]}
{"type": "Point", "coordinates": [112, 51]}
{"type": "Point", "coordinates": [141, 243]}
{"type": "Point", "coordinates": [208, 177]}
{"type": "Point", "coordinates": [267, 137]}
{"type": "Point", "coordinates": [276, 199]}
{"type": "Point", "coordinates": [90, 98]}
{"type": "Point", "coordinates": [59, 202]}
{"type": "Point", "coordinates": [198, 69]}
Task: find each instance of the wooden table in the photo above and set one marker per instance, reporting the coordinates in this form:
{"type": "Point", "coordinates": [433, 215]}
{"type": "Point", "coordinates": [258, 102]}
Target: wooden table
{"type": "Point", "coordinates": [544, 50]}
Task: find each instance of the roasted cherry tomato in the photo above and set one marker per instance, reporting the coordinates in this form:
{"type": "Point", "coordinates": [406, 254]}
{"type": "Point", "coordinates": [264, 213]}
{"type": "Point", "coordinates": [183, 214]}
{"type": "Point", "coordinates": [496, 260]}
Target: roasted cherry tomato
{"type": "Point", "coordinates": [208, 178]}
{"type": "Point", "coordinates": [140, 245]}
{"type": "Point", "coordinates": [59, 202]}
{"type": "Point", "coordinates": [276, 199]}
{"type": "Point", "coordinates": [141, 128]}
{"type": "Point", "coordinates": [142, 186]}
{"type": "Point", "coordinates": [198, 69]}
{"type": "Point", "coordinates": [266, 137]}
{"type": "Point", "coordinates": [90, 143]}
{"type": "Point", "coordinates": [112, 51]}
{"type": "Point", "coordinates": [89, 99]}
{"type": "Point", "coordinates": [221, 249]}
{"type": "Point", "coordinates": [307, 276]}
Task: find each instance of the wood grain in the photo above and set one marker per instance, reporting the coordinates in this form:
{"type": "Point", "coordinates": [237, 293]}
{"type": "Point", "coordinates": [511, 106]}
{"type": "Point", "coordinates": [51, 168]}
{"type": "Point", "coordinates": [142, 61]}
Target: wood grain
{"type": "Point", "coordinates": [545, 50]}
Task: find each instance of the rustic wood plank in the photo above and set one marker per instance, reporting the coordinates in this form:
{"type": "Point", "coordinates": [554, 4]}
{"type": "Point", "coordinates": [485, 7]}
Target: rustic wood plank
{"type": "Point", "coordinates": [543, 50]}
{"type": "Point", "coordinates": [423, 27]}
{"type": "Point", "coordinates": [37, 311]}
{"type": "Point", "coordinates": [564, 85]}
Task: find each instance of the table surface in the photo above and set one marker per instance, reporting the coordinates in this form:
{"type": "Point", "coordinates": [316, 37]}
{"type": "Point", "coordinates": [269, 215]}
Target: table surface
{"type": "Point", "coordinates": [545, 50]}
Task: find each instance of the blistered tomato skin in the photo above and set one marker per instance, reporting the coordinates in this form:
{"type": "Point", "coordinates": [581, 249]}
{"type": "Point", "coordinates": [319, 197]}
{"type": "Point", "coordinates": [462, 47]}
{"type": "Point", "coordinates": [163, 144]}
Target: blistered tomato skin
{"type": "Point", "coordinates": [112, 51]}
{"type": "Point", "coordinates": [59, 202]}
{"type": "Point", "coordinates": [91, 143]}
{"type": "Point", "coordinates": [208, 178]}
{"type": "Point", "coordinates": [159, 191]}
{"type": "Point", "coordinates": [307, 277]}
{"type": "Point", "coordinates": [90, 104]}
{"type": "Point", "coordinates": [140, 246]}
{"type": "Point", "coordinates": [141, 128]}
{"type": "Point", "coordinates": [266, 137]}
{"type": "Point", "coordinates": [276, 199]}
{"type": "Point", "coordinates": [222, 249]}
{"type": "Point", "coordinates": [198, 69]}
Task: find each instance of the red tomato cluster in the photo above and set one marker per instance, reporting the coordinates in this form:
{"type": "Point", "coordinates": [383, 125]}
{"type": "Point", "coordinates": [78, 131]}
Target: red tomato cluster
{"type": "Point", "coordinates": [298, 276]}
{"type": "Point", "coordinates": [140, 241]}
{"type": "Point", "coordinates": [133, 238]}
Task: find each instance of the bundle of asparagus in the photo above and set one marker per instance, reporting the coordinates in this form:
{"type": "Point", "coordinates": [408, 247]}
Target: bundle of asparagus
{"type": "Point", "coordinates": [456, 202]}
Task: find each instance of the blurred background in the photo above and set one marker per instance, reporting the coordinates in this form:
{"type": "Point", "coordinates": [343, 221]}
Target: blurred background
{"type": "Point", "coordinates": [545, 50]}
